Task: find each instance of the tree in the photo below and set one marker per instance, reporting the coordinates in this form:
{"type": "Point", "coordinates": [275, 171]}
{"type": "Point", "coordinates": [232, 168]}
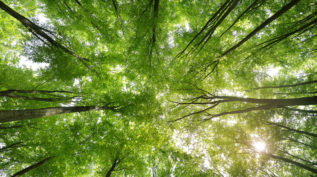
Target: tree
{"type": "Point", "coordinates": [162, 69]}
{"type": "Point", "coordinates": [19, 173]}
{"type": "Point", "coordinates": [15, 115]}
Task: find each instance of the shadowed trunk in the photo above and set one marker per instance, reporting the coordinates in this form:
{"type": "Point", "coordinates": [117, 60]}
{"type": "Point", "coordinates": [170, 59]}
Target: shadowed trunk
{"type": "Point", "coordinates": [19, 173]}
{"type": "Point", "coordinates": [37, 30]}
{"type": "Point", "coordinates": [289, 85]}
{"type": "Point", "coordinates": [263, 25]}
{"type": "Point", "coordinates": [15, 94]}
{"type": "Point", "coordinates": [263, 104]}
{"type": "Point", "coordinates": [155, 16]}
{"type": "Point", "coordinates": [293, 130]}
{"type": "Point", "coordinates": [11, 146]}
{"type": "Point", "coordinates": [304, 160]}
{"type": "Point", "coordinates": [292, 162]}
{"type": "Point", "coordinates": [114, 165]}
{"type": "Point", "coordinates": [115, 5]}
{"type": "Point", "coordinates": [15, 115]}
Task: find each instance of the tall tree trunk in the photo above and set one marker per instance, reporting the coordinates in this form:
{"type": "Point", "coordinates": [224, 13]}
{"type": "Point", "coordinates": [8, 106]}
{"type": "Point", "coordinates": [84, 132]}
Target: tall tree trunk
{"type": "Point", "coordinates": [278, 102]}
{"type": "Point", "coordinates": [292, 162]}
{"type": "Point", "coordinates": [15, 94]}
{"type": "Point", "coordinates": [293, 130]}
{"type": "Point", "coordinates": [262, 104]}
{"type": "Point", "coordinates": [14, 115]}
{"type": "Point", "coordinates": [301, 143]}
{"type": "Point", "coordinates": [288, 85]}
{"type": "Point", "coordinates": [40, 31]}
{"type": "Point", "coordinates": [264, 24]}
{"type": "Point", "coordinates": [155, 17]}
{"type": "Point", "coordinates": [10, 146]}
{"type": "Point", "coordinates": [312, 163]}
{"type": "Point", "coordinates": [114, 165]}
{"type": "Point", "coordinates": [19, 173]}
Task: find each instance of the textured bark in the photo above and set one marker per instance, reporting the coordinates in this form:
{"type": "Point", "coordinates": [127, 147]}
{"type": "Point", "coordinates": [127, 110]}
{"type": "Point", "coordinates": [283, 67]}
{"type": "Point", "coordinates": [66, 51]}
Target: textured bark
{"type": "Point", "coordinates": [15, 115]}
{"type": "Point", "coordinates": [19, 173]}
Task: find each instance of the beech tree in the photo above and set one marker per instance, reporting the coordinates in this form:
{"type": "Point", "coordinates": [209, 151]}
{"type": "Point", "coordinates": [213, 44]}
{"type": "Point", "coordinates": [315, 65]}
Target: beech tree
{"type": "Point", "coordinates": [158, 88]}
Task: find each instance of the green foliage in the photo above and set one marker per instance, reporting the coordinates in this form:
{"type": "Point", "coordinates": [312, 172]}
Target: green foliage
{"type": "Point", "coordinates": [120, 54]}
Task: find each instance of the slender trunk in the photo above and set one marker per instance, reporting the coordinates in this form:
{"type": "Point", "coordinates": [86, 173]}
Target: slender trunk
{"type": "Point", "coordinates": [219, 11]}
{"type": "Point", "coordinates": [39, 31]}
{"type": "Point", "coordinates": [254, 5]}
{"type": "Point", "coordinates": [114, 164]}
{"type": "Point", "coordinates": [264, 24]}
{"type": "Point", "coordinates": [304, 144]}
{"type": "Point", "coordinates": [292, 162]}
{"type": "Point", "coordinates": [280, 102]}
{"type": "Point", "coordinates": [115, 5]}
{"type": "Point", "coordinates": [11, 146]}
{"type": "Point", "coordinates": [263, 104]}
{"type": "Point", "coordinates": [155, 16]}
{"type": "Point", "coordinates": [23, 171]}
{"type": "Point", "coordinates": [293, 130]}
{"type": "Point", "coordinates": [15, 115]}
{"type": "Point", "coordinates": [16, 126]}
{"type": "Point", "coordinates": [312, 163]}
{"type": "Point", "coordinates": [288, 85]}
{"type": "Point", "coordinates": [15, 94]}
{"type": "Point", "coordinates": [302, 110]}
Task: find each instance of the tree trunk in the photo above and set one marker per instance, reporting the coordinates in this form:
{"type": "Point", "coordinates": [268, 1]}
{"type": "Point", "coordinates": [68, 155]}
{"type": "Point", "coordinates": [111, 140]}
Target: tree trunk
{"type": "Point", "coordinates": [15, 115]}
{"type": "Point", "coordinates": [292, 162]}
{"type": "Point", "coordinates": [301, 143]}
{"type": "Point", "coordinates": [115, 163]}
{"type": "Point", "coordinates": [289, 85]}
{"type": "Point", "coordinates": [277, 102]}
{"type": "Point", "coordinates": [39, 31]}
{"type": "Point", "coordinates": [19, 173]}
{"type": "Point", "coordinates": [14, 94]}
{"type": "Point", "coordinates": [10, 146]}
{"type": "Point", "coordinates": [293, 130]}
{"type": "Point", "coordinates": [264, 24]}
{"type": "Point", "coordinates": [312, 163]}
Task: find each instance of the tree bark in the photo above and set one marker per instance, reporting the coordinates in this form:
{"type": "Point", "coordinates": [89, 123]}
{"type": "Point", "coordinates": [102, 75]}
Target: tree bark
{"type": "Point", "coordinates": [15, 115]}
{"type": "Point", "coordinates": [23, 171]}
{"type": "Point", "coordinates": [292, 162]}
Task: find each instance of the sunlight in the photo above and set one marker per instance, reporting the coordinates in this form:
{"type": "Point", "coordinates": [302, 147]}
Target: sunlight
{"type": "Point", "coordinates": [259, 146]}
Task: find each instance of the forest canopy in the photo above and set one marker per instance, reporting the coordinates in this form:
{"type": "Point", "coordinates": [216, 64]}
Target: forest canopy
{"type": "Point", "coordinates": [158, 88]}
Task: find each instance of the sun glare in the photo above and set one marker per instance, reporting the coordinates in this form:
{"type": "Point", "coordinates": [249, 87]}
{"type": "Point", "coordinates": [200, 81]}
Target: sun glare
{"type": "Point", "coordinates": [259, 146]}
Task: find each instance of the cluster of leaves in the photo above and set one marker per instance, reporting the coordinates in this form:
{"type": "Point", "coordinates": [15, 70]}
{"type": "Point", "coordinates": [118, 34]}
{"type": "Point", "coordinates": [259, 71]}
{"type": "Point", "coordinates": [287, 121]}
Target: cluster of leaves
{"type": "Point", "coordinates": [158, 88]}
